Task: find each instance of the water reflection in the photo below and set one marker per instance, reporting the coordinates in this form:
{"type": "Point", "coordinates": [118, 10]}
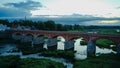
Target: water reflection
{"type": "Point", "coordinates": [81, 50]}
{"type": "Point", "coordinates": [6, 49]}
{"type": "Point", "coordinates": [60, 44]}
{"type": "Point", "coordinates": [104, 50]}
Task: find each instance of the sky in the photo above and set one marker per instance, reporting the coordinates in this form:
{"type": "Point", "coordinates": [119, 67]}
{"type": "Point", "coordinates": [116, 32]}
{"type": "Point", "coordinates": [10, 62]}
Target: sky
{"type": "Point", "coordinates": [85, 12]}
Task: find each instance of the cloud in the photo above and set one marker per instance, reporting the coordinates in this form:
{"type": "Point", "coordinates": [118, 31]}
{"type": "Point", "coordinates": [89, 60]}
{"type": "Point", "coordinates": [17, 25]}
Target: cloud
{"type": "Point", "coordinates": [76, 17]}
{"type": "Point", "coordinates": [28, 5]}
{"type": "Point", "coordinates": [20, 9]}
{"type": "Point", "coordinates": [79, 19]}
{"type": "Point", "coordinates": [118, 7]}
{"type": "Point", "coordinates": [12, 12]}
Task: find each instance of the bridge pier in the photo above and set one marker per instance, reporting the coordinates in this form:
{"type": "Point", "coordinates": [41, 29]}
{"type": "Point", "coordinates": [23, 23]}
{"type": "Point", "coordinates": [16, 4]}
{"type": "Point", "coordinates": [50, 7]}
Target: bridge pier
{"type": "Point", "coordinates": [16, 37]}
{"type": "Point", "coordinates": [38, 40]}
{"type": "Point", "coordinates": [27, 40]}
{"type": "Point", "coordinates": [52, 43]}
{"type": "Point", "coordinates": [45, 46]}
{"type": "Point", "coordinates": [60, 45]}
{"type": "Point", "coordinates": [69, 44]}
{"type": "Point", "coordinates": [118, 49]}
{"type": "Point", "coordinates": [91, 48]}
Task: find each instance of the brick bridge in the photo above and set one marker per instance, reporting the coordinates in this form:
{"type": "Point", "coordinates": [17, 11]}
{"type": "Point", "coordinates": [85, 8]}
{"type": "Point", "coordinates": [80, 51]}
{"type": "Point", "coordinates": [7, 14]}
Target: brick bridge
{"type": "Point", "coordinates": [69, 36]}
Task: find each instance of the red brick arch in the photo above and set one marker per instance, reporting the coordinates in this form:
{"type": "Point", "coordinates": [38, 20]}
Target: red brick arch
{"type": "Point", "coordinates": [68, 35]}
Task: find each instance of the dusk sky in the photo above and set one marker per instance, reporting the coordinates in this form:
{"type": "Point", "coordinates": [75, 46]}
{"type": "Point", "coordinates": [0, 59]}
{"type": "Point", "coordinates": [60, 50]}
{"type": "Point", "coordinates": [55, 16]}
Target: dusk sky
{"type": "Point", "coordinates": [85, 12]}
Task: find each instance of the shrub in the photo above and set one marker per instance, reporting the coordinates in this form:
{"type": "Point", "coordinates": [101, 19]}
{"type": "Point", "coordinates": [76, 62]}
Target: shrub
{"type": "Point", "coordinates": [39, 63]}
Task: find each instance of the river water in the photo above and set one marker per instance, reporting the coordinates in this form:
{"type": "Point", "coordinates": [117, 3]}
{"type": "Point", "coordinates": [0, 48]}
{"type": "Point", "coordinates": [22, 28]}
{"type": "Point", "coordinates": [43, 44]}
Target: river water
{"type": "Point", "coordinates": [5, 50]}
{"type": "Point", "coordinates": [81, 52]}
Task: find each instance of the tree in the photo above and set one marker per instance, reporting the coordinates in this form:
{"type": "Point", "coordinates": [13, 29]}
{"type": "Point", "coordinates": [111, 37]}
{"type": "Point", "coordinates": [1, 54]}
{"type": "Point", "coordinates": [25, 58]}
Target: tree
{"type": "Point", "coordinates": [50, 25]}
{"type": "Point", "coordinates": [59, 27]}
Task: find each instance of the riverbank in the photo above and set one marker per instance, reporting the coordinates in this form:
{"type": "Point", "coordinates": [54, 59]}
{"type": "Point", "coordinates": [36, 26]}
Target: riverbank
{"type": "Point", "coordinates": [102, 61]}
{"type": "Point", "coordinates": [17, 62]}
{"type": "Point", "coordinates": [6, 50]}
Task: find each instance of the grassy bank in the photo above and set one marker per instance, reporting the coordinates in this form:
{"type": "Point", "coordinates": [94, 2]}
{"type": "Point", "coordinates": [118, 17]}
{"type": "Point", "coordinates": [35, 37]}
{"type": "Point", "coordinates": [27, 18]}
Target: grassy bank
{"type": "Point", "coordinates": [16, 62]}
{"type": "Point", "coordinates": [9, 62]}
{"type": "Point", "coordinates": [103, 61]}
{"type": "Point", "coordinates": [69, 55]}
{"type": "Point", "coordinates": [39, 63]}
{"type": "Point", "coordinates": [8, 40]}
{"type": "Point", "coordinates": [26, 48]}
{"type": "Point", "coordinates": [105, 43]}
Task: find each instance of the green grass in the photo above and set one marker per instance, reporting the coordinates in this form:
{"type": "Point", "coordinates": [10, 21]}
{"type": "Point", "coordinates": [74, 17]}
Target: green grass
{"type": "Point", "coordinates": [104, 43]}
{"type": "Point", "coordinates": [8, 40]}
{"type": "Point", "coordinates": [9, 62]}
{"type": "Point", "coordinates": [39, 63]}
{"type": "Point", "coordinates": [103, 61]}
{"type": "Point", "coordinates": [60, 54]}
{"type": "Point", "coordinates": [100, 31]}
{"type": "Point", "coordinates": [16, 62]}
{"type": "Point", "coordinates": [26, 48]}
{"type": "Point", "coordinates": [107, 31]}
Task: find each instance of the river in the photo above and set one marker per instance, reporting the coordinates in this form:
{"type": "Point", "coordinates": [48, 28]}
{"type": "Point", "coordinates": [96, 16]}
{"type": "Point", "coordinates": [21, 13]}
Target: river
{"type": "Point", "coordinates": [5, 50]}
{"type": "Point", "coordinates": [81, 52]}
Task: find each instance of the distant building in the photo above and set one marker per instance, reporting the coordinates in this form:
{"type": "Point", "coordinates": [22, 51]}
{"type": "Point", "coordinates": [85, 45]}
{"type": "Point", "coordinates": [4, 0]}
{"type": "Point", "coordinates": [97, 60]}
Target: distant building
{"type": "Point", "coordinates": [92, 32]}
{"type": "Point", "coordinates": [3, 27]}
{"type": "Point", "coordinates": [18, 27]}
{"type": "Point", "coordinates": [118, 30]}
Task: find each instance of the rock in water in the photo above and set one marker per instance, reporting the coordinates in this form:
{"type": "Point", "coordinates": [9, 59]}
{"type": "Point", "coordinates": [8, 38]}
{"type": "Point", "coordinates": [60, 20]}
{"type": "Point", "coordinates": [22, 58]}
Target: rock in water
{"type": "Point", "coordinates": [118, 49]}
{"type": "Point", "coordinates": [91, 48]}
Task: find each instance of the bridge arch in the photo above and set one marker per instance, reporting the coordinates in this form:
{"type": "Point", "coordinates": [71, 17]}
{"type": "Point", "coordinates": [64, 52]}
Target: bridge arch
{"type": "Point", "coordinates": [39, 39]}
{"type": "Point", "coordinates": [17, 36]}
{"type": "Point", "coordinates": [17, 33]}
{"type": "Point", "coordinates": [28, 34]}
{"type": "Point", "coordinates": [28, 37]}
{"type": "Point", "coordinates": [41, 35]}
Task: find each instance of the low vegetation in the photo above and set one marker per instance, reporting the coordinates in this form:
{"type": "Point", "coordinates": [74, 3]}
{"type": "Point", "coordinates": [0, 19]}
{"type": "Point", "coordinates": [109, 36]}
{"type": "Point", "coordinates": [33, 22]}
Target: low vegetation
{"type": "Point", "coordinates": [26, 48]}
{"type": "Point", "coordinates": [69, 55]}
{"type": "Point", "coordinates": [39, 63]}
{"type": "Point", "coordinates": [8, 40]}
{"type": "Point", "coordinates": [9, 62]}
{"type": "Point", "coordinates": [84, 42]}
{"type": "Point", "coordinates": [105, 43]}
{"type": "Point", "coordinates": [102, 61]}
{"type": "Point", "coordinates": [16, 62]}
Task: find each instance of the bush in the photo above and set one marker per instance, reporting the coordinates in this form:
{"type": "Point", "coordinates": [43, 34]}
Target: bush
{"type": "Point", "coordinates": [84, 42]}
{"type": "Point", "coordinates": [60, 54]}
{"type": "Point", "coordinates": [26, 48]}
{"type": "Point", "coordinates": [102, 61]}
{"type": "Point", "coordinates": [39, 63]}
{"type": "Point", "coordinates": [9, 61]}
{"type": "Point", "coordinates": [16, 62]}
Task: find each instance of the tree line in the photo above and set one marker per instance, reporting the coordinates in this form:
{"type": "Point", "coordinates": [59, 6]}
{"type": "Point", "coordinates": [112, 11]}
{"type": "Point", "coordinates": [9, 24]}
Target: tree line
{"type": "Point", "coordinates": [40, 25]}
{"type": "Point", "coordinates": [51, 25]}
